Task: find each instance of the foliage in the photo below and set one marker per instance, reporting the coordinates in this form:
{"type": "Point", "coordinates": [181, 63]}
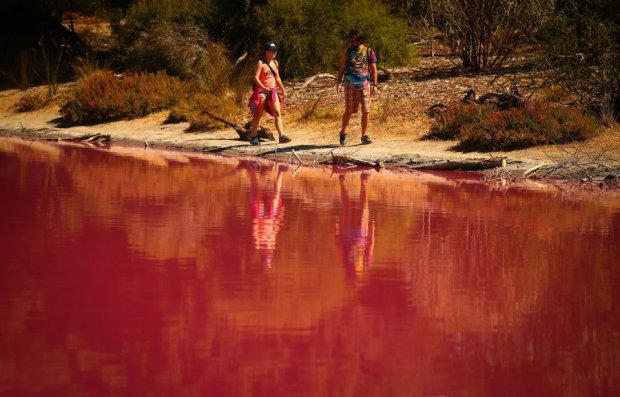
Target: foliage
{"type": "Point", "coordinates": [194, 108]}
{"type": "Point", "coordinates": [581, 54]}
{"type": "Point", "coordinates": [31, 100]}
{"type": "Point", "coordinates": [102, 96]}
{"type": "Point", "coordinates": [484, 33]}
{"type": "Point", "coordinates": [309, 32]}
{"type": "Point", "coordinates": [185, 51]}
{"type": "Point", "coordinates": [483, 128]}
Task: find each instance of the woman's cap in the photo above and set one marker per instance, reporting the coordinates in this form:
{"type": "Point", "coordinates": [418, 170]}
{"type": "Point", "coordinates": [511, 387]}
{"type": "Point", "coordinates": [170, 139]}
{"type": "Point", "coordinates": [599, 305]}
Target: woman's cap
{"type": "Point", "coordinates": [271, 47]}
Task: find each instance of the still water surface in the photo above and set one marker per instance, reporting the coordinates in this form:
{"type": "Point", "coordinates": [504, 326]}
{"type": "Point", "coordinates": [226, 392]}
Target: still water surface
{"type": "Point", "coordinates": [127, 272]}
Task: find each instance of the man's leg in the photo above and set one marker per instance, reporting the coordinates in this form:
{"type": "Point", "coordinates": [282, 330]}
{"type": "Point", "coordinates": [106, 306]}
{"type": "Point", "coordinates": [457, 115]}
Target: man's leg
{"type": "Point", "coordinates": [345, 121]}
{"type": "Point", "coordinates": [365, 122]}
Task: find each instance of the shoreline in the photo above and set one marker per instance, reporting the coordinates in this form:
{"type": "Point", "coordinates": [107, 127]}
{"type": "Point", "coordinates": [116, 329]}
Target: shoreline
{"type": "Point", "coordinates": [513, 171]}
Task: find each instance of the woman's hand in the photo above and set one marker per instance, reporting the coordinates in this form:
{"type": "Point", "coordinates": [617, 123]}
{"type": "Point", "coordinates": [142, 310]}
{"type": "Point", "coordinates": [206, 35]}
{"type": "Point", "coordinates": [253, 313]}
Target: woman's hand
{"type": "Point", "coordinates": [338, 89]}
{"type": "Point", "coordinates": [375, 90]}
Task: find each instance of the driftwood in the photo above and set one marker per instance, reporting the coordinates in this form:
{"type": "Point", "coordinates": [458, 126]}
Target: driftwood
{"type": "Point", "coordinates": [384, 76]}
{"type": "Point", "coordinates": [340, 159]}
{"type": "Point", "coordinates": [436, 109]}
{"type": "Point", "coordinates": [311, 79]}
{"type": "Point", "coordinates": [497, 100]}
{"type": "Point", "coordinates": [96, 138]}
{"type": "Point", "coordinates": [465, 165]}
{"type": "Point", "coordinates": [244, 133]}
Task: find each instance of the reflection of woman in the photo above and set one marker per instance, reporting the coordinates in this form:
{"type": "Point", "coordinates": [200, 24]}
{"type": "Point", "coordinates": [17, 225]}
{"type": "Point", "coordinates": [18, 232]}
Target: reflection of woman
{"type": "Point", "coordinates": [355, 231]}
{"type": "Point", "coordinates": [267, 214]}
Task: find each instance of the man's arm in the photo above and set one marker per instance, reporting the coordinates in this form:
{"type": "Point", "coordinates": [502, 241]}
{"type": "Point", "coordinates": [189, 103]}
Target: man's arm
{"type": "Point", "coordinates": [373, 74]}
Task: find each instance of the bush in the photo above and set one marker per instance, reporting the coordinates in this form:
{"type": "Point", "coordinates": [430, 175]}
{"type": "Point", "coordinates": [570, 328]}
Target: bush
{"type": "Point", "coordinates": [485, 33]}
{"type": "Point", "coordinates": [581, 54]}
{"type": "Point", "coordinates": [310, 32]}
{"type": "Point", "coordinates": [101, 96]}
{"type": "Point", "coordinates": [185, 51]}
{"type": "Point", "coordinates": [32, 100]}
{"type": "Point", "coordinates": [485, 129]}
{"type": "Point", "coordinates": [194, 107]}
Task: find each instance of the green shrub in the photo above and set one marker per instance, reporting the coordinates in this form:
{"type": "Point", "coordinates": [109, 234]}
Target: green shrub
{"type": "Point", "coordinates": [31, 100]}
{"type": "Point", "coordinates": [102, 96]}
{"type": "Point", "coordinates": [310, 32]}
{"type": "Point", "coordinates": [485, 129]}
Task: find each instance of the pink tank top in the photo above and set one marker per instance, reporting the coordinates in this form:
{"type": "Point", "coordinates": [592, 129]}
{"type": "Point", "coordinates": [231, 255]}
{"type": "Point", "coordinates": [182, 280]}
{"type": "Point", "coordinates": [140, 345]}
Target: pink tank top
{"type": "Point", "coordinates": [266, 77]}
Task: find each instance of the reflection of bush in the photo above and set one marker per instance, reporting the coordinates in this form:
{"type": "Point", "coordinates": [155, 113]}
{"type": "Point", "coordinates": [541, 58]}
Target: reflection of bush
{"type": "Point", "coordinates": [483, 128]}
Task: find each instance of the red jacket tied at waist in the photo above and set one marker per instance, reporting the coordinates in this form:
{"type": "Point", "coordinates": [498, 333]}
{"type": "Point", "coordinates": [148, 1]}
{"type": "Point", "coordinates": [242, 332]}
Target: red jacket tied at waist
{"type": "Point", "coordinates": [272, 96]}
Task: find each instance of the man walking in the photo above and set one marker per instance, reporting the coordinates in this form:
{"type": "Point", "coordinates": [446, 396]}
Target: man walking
{"type": "Point", "coordinates": [358, 64]}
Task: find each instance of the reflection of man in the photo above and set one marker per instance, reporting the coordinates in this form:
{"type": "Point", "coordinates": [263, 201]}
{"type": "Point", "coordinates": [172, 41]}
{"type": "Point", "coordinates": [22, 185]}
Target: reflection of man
{"type": "Point", "coordinates": [355, 233]}
{"type": "Point", "coordinates": [267, 213]}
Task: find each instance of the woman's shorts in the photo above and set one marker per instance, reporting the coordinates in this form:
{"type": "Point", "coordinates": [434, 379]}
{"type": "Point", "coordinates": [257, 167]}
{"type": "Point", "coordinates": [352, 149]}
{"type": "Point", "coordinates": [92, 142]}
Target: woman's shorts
{"type": "Point", "coordinates": [352, 99]}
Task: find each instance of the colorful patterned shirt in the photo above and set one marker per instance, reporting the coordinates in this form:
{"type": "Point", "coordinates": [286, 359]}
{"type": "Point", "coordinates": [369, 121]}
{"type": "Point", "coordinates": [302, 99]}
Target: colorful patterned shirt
{"type": "Point", "coordinates": [356, 62]}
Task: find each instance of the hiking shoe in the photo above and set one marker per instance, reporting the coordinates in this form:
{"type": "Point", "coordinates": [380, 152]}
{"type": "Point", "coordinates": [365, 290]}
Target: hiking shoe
{"type": "Point", "coordinates": [366, 140]}
{"type": "Point", "coordinates": [343, 138]}
{"type": "Point", "coordinates": [284, 139]}
{"type": "Point", "coordinates": [254, 141]}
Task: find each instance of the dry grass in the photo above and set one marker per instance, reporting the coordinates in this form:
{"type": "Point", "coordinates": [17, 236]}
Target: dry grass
{"type": "Point", "coordinates": [185, 51]}
{"type": "Point", "coordinates": [192, 109]}
{"type": "Point", "coordinates": [102, 96]}
{"type": "Point", "coordinates": [32, 100]}
{"type": "Point", "coordinates": [312, 112]}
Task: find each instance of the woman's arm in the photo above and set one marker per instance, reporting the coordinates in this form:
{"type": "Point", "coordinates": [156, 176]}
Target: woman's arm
{"type": "Point", "coordinates": [279, 80]}
{"type": "Point", "coordinates": [257, 75]}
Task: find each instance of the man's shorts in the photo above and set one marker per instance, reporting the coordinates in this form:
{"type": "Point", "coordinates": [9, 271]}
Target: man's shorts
{"type": "Point", "coordinates": [352, 99]}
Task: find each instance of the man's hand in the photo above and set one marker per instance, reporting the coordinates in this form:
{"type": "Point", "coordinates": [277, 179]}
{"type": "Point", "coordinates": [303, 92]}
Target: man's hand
{"type": "Point", "coordinates": [374, 91]}
{"type": "Point", "coordinates": [338, 88]}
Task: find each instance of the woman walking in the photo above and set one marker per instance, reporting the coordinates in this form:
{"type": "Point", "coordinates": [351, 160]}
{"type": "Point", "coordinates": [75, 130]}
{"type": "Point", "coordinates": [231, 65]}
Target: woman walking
{"type": "Point", "coordinates": [266, 96]}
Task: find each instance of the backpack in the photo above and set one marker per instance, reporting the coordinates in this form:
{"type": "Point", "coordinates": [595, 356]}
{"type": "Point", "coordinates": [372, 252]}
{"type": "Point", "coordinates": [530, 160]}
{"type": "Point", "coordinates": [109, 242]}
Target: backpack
{"type": "Point", "coordinates": [348, 71]}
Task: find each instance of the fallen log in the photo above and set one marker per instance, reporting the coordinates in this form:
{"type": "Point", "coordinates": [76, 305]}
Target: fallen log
{"type": "Point", "coordinates": [311, 79]}
{"type": "Point", "coordinates": [464, 165]}
{"type": "Point", "coordinates": [244, 133]}
{"type": "Point", "coordinates": [497, 100]}
{"type": "Point", "coordinates": [339, 159]}
{"type": "Point", "coordinates": [436, 109]}
{"type": "Point", "coordinates": [98, 138]}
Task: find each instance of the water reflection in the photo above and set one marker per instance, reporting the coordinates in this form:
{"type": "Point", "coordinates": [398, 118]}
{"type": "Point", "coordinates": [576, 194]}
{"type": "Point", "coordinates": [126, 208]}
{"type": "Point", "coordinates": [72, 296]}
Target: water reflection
{"type": "Point", "coordinates": [265, 206]}
{"type": "Point", "coordinates": [355, 231]}
{"type": "Point", "coordinates": [131, 272]}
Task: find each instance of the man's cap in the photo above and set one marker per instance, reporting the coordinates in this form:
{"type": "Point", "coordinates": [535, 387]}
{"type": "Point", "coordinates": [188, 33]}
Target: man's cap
{"type": "Point", "coordinates": [271, 47]}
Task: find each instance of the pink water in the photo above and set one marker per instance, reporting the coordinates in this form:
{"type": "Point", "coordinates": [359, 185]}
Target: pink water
{"type": "Point", "coordinates": [127, 272]}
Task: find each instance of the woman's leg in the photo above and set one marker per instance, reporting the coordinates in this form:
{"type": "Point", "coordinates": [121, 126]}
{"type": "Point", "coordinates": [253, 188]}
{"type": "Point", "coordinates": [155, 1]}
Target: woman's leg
{"type": "Point", "coordinates": [257, 116]}
{"type": "Point", "coordinates": [277, 115]}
